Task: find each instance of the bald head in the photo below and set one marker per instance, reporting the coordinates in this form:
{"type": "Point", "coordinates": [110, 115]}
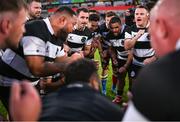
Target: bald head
{"type": "Point", "coordinates": [171, 6]}
{"type": "Point", "coordinates": [164, 29]}
{"type": "Point", "coordinates": [167, 9]}
{"type": "Point", "coordinates": [63, 21]}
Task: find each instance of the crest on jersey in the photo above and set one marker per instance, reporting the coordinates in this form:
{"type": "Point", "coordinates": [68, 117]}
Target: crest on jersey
{"type": "Point", "coordinates": [83, 39]}
{"type": "Point", "coordinates": [70, 37]}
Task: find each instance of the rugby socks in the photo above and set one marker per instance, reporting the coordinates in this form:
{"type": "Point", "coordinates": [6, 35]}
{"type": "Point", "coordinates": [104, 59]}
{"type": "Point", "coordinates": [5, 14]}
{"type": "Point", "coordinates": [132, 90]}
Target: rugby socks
{"type": "Point", "coordinates": [103, 82]}
{"type": "Point", "coordinates": [114, 82]}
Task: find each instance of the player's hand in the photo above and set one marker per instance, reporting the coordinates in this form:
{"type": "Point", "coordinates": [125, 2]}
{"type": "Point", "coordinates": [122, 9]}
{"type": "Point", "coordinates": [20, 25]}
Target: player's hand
{"type": "Point", "coordinates": [45, 81]}
{"type": "Point", "coordinates": [149, 60]}
{"type": "Point", "coordinates": [97, 42]}
{"type": "Point", "coordinates": [25, 103]}
{"type": "Point", "coordinates": [140, 33]}
{"type": "Point", "coordinates": [77, 56]}
{"type": "Point", "coordinates": [122, 69]}
{"type": "Point", "coordinates": [66, 48]}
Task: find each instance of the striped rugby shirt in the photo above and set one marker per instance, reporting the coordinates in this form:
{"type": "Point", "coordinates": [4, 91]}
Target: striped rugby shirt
{"type": "Point", "coordinates": [37, 41]}
{"type": "Point", "coordinates": [142, 48]}
{"type": "Point", "coordinates": [117, 42]}
{"type": "Point", "coordinates": [78, 39]}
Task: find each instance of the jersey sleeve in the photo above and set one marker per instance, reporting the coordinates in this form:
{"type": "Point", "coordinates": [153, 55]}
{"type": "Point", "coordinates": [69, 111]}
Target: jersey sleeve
{"type": "Point", "coordinates": [33, 46]}
{"type": "Point", "coordinates": [60, 53]}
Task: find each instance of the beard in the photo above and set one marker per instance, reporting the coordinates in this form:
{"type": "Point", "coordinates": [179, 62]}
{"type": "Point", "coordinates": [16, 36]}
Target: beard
{"type": "Point", "coordinates": [62, 34]}
{"type": "Point", "coordinates": [116, 34]}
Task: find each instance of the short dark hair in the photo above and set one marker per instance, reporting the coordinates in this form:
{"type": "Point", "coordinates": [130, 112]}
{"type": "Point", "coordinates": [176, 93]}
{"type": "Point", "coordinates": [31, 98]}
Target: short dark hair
{"type": "Point", "coordinates": [114, 20]}
{"type": "Point", "coordinates": [94, 17]}
{"type": "Point", "coordinates": [110, 14]}
{"type": "Point", "coordinates": [82, 9]}
{"type": "Point", "coordinates": [80, 70]}
{"type": "Point", "coordinates": [93, 11]}
{"type": "Point", "coordinates": [12, 5]}
{"type": "Point", "coordinates": [143, 6]}
{"type": "Point", "coordinates": [30, 1]}
{"type": "Point", "coordinates": [66, 10]}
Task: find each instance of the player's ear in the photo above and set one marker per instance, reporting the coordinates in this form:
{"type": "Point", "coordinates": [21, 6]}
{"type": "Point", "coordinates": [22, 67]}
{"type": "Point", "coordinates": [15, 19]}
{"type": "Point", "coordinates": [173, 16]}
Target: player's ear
{"type": "Point", "coordinates": [63, 20]}
{"type": "Point", "coordinates": [147, 14]}
{"type": "Point", "coordinates": [5, 26]}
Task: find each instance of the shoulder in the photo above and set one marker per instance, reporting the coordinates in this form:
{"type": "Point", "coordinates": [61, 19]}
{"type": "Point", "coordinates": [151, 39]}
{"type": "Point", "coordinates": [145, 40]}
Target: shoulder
{"type": "Point", "coordinates": [34, 24]}
{"type": "Point", "coordinates": [88, 32]}
{"type": "Point", "coordinates": [111, 111]}
{"type": "Point", "coordinates": [35, 28]}
{"type": "Point", "coordinates": [157, 87]}
{"type": "Point", "coordinates": [99, 107]}
{"type": "Point", "coordinates": [133, 28]}
{"type": "Point", "coordinates": [38, 29]}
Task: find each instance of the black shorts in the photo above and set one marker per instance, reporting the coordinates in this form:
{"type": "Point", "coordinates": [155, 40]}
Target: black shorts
{"type": "Point", "coordinates": [134, 70]}
{"type": "Point", "coordinates": [121, 64]}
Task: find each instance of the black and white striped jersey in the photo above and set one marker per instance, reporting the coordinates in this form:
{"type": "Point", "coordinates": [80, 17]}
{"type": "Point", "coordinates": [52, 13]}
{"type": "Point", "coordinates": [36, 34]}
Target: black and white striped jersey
{"type": "Point", "coordinates": [37, 41]}
{"type": "Point", "coordinates": [78, 39]}
{"type": "Point", "coordinates": [142, 48]}
{"type": "Point", "coordinates": [117, 42]}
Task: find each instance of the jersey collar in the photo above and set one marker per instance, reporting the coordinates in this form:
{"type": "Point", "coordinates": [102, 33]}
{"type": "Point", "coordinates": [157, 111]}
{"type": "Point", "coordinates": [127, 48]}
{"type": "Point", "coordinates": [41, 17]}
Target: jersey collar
{"type": "Point", "coordinates": [49, 25]}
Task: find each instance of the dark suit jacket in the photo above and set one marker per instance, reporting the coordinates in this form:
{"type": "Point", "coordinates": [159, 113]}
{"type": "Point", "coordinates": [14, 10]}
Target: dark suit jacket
{"type": "Point", "coordinates": [157, 89]}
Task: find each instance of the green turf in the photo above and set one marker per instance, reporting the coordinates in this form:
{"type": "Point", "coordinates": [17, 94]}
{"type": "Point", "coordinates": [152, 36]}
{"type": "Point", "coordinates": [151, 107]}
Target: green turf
{"type": "Point", "coordinates": [3, 111]}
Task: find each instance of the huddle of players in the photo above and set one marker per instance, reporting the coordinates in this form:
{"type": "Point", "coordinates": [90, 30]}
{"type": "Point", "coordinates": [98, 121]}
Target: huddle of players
{"type": "Point", "coordinates": [109, 39]}
{"type": "Point", "coordinates": [89, 36]}
{"type": "Point", "coordinates": [128, 47]}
